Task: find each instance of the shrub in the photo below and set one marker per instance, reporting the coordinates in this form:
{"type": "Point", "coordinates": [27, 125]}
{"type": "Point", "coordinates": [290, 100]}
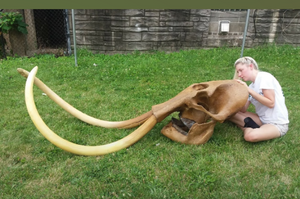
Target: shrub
{"type": "Point", "coordinates": [12, 21]}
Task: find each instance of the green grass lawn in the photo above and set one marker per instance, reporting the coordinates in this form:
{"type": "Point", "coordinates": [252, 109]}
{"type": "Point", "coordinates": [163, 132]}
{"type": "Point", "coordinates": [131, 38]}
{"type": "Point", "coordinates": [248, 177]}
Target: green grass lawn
{"type": "Point", "coordinates": [120, 87]}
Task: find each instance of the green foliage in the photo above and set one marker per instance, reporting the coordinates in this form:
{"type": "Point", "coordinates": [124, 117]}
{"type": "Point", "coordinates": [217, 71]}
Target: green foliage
{"type": "Point", "coordinates": [12, 21]}
{"type": "Point", "coordinates": [123, 86]}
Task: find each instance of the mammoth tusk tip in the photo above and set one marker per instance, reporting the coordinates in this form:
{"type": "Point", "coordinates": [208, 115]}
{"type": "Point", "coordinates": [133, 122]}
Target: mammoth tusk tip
{"type": "Point", "coordinates": [20, 70]}
{"type": "Point", "coordinates": [35, 68]}
{"type": "Point", "coordinates": [25, 73]}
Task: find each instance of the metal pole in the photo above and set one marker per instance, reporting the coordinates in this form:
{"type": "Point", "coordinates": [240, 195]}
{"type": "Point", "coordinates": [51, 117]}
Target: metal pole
{"type": "Point", "coordinates": [74, 36]}
{"type": "Point", "coordinates": [245, 31]}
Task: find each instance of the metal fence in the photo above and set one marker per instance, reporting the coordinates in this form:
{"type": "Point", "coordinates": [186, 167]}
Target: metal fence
{"type": "Point", "coordinates": [48, 32]}
{"type": "Point", "coordinates": [50, 28]}
{"type": "Point", "coordinates": [229, 10]}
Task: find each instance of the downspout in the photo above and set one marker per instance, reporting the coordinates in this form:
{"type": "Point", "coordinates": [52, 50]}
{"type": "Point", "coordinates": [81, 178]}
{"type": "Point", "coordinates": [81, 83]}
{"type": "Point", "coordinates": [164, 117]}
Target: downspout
{"type": "Point", "coordinates": [273, 26]}
{"type": "Point", "coordinates": [245, 31]}
{"type": "Point", "coordinates": [74, 36]}
{"type": "Point", "coordinates": [67, 31]}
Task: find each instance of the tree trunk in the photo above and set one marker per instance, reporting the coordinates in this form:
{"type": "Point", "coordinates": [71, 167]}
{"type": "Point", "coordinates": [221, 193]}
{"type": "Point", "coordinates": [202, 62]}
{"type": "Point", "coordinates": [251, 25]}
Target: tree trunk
{"type": "Point", "coordinates": [18, 43]}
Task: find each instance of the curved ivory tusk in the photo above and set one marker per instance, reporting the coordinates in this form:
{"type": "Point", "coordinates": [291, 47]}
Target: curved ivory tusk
{"type": "Point", "coordinates": [82, 116]}
{"type": "Point", "coordinates": [75, 148]}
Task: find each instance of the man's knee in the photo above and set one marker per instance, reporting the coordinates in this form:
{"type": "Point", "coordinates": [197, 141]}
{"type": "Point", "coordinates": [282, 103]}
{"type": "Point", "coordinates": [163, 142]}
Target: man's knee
{"type": "Point", "coordinates": [251, 137]}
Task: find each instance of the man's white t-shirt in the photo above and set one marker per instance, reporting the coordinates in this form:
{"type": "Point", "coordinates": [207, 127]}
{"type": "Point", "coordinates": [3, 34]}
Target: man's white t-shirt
{"type": "Point", "coordinates": [279, 113]}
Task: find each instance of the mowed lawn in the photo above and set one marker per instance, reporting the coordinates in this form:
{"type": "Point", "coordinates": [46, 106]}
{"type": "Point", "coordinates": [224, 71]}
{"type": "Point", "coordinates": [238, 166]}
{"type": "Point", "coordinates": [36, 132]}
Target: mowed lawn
{"type": "Point", "coordinates": [120, 87]}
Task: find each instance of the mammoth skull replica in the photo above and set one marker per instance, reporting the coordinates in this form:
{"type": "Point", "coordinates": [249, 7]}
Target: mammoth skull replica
{"type": "Point", "coordinates": [200, 107]}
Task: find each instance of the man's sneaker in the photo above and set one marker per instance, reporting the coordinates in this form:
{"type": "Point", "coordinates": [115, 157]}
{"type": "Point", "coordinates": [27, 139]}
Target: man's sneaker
{"type": "Point", "coordinates": [250, 123]}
